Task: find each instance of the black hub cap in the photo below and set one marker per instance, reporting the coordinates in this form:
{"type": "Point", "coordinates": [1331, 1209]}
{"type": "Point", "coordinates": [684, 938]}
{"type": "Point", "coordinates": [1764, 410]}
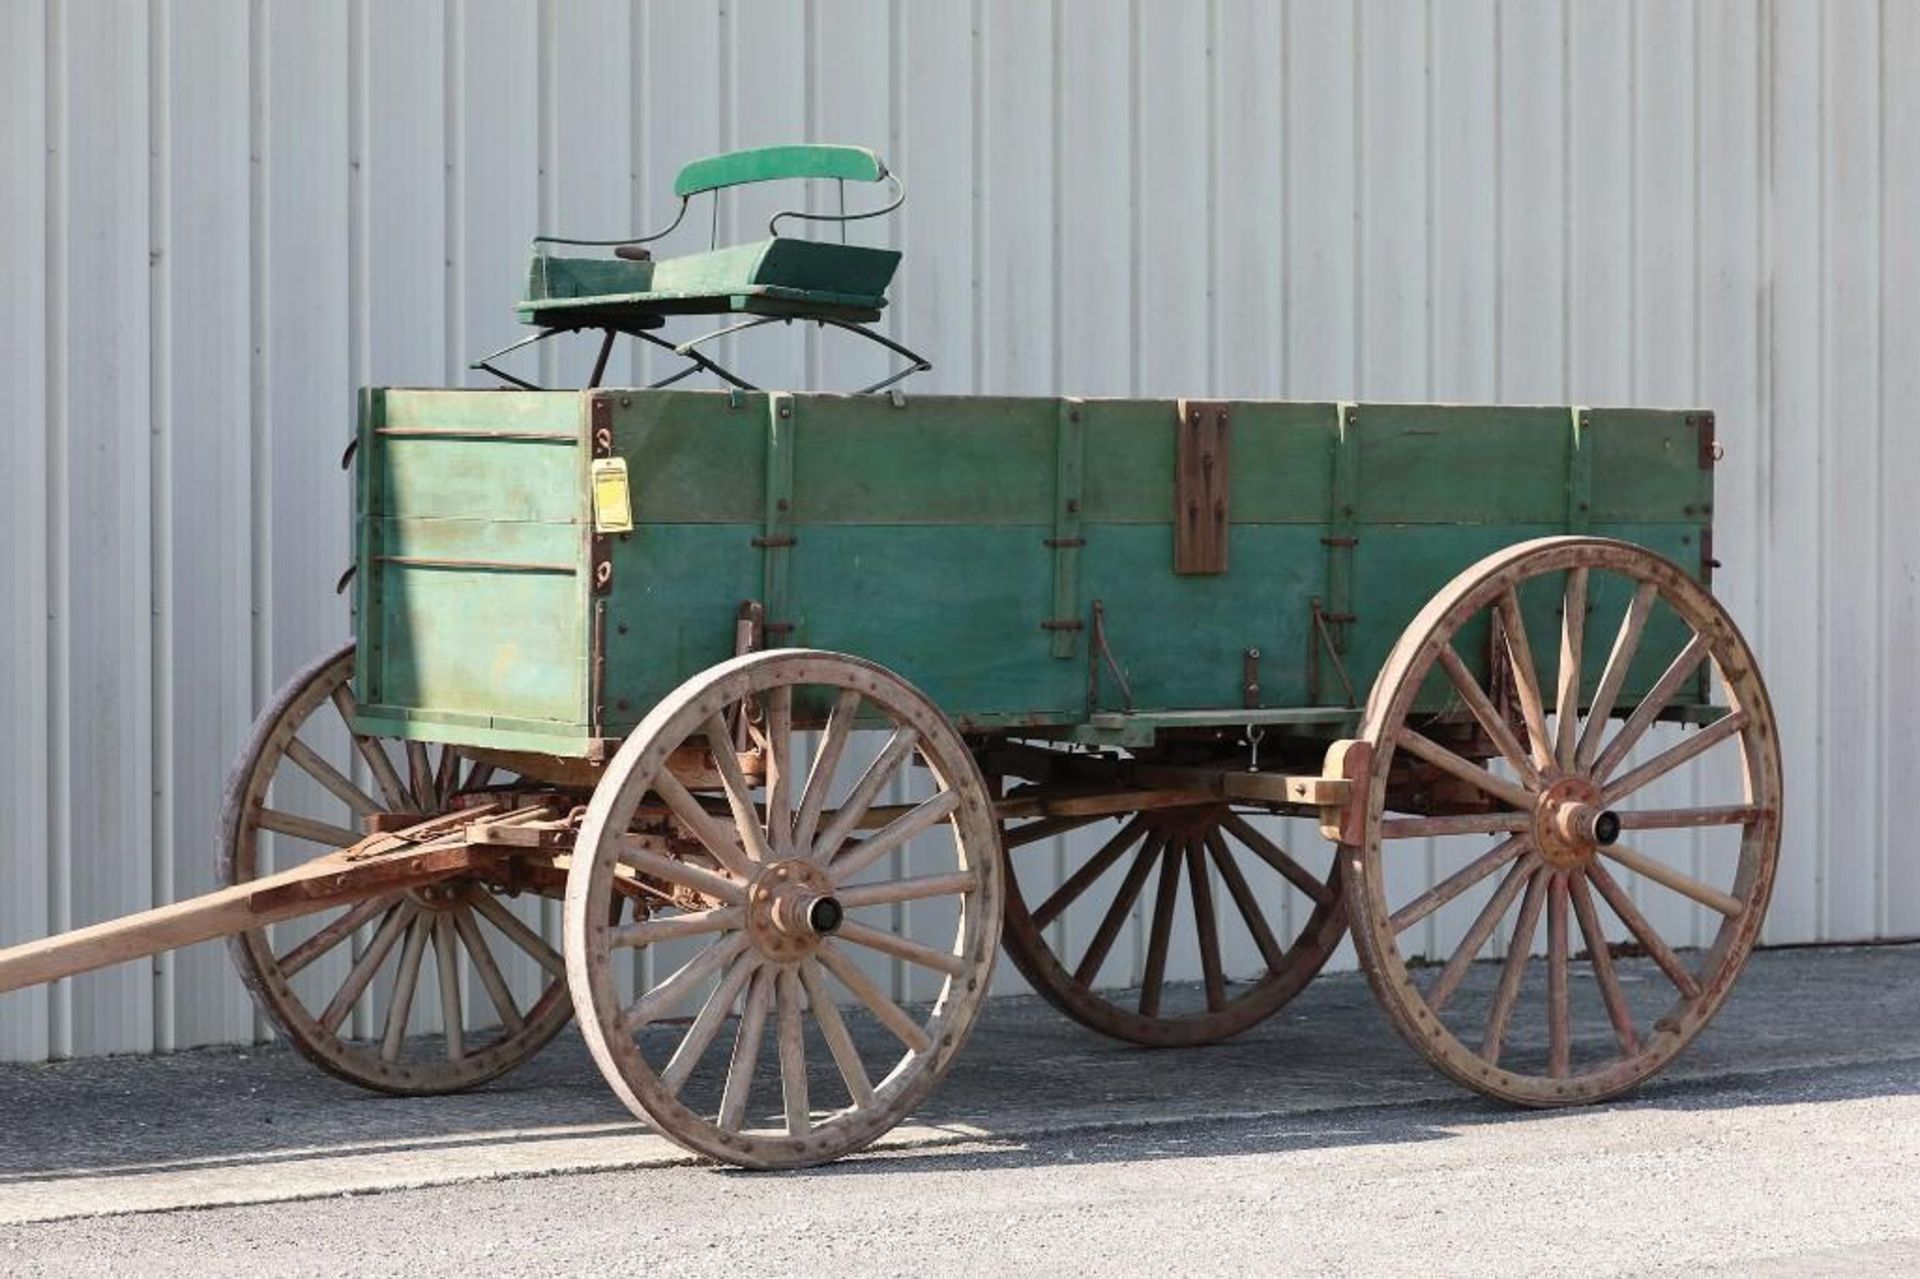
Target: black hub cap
{"type": "Point", "coordinates": [826, 914]}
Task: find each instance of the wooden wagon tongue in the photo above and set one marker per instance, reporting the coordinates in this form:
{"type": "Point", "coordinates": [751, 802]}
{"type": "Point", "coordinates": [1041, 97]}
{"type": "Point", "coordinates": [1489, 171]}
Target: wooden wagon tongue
{"type": "Point", "coordinates": [473, 839]}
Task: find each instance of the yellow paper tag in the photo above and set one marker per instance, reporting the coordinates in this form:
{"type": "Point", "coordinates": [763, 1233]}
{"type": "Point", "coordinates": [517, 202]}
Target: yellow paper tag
{"type": "Point", "coordinates": [612, 503]}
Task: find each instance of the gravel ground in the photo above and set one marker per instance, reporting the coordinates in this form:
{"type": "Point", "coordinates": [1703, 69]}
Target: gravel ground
{"type": "Point", "coordinates": [1787, 1141]}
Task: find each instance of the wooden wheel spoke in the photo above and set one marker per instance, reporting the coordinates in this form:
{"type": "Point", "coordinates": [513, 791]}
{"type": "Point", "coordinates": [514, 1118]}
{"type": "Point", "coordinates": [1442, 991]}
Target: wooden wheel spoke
{"type": "Point", "coordinates": [478, 776]}
{"type": "Point", "coordinates": [864, 792]}
{"type": "Point", "coordinates": [826, 765]}
{"type": "Point", "coordinates": [1245, 901]}
{"type": "Point", "coordinates": [746, 818]}
{"type": "Point", "coordinates": [780, 769]}
{"type": "Point", "coordinates": [884, 1010]}
{"type": "Point", "coordinates": [1512, 794]}
{"type": "Point", "coordinates": [859, 934]}
{"type": "Point", "coordinates": [1676, 674]}
{"type": "Point", "coordinates": [446, 957]}
{"type": "Point", "coordinates": [715, 837]}
{"type": "Point", "coordinates": [793, 1053]}
{"type": "Point", "coordinates": [405, 979]}
{"type": "Point", "coordinates": [846, 1057]}
{"type": "Point", "coordinates": [1029, 833]}
{"type": "Point", "coordinates": [746, 1051]}
{"type": "Point", "coordinates": [707, 1022]}
{"type": "Point", "coordinates": [1076, 884]}
{"type": "Point", "coordinates": [890, 891]}
{"type": "Point", "coordinates": [446, 776]}
{"type": "Point", "coordinates": [398, 919]}
{"type": "Point", "coordinates": [1480, 930]}
{"type": "Point", "coordinates": [1573, 625]}
{"type": "Point", "coordinates": [1678, 818]}
{"type": "Point", "coordinates": [1491, 721]}
{"type": "Point", "coordinates": [1690, 746]}
{"type": "Point", "coordinates": [854, 858]}
{"type": "Point", "coordinates": [325, 834]}
{"type": "Point", "coordinates": [676, 989]}
{"type": "Point", "coordinates": [1519, 950]}
{"type": "Point", "coordinates": [1459, 882]}
{"type": "Point", "coordinates": [1275, 856]}
{"type": "Point", "coordinates": [1601, 956]}
{"type": "Point", "coordinates": [314, 765]}
{"type": "Point", "coordinates": [518, 933]}
{"type": "Point", "coordinates": [674, 871]}
{"type": "Point", "coordinates": [1206, 926]}
{"type": "Point", "coordinates": [693, 923]}
{"type": "Point", "coordinates": [1166, 896]}
{"type": "Point", "coordinates": [1455, 824]}
{"type": "Point", "coordinates": [1643, 932]}
{"type": "Point", "coordinates": [1559, 1014]}
{"type": "Point", "coordinates": [323, 941]}
{"type": "Point", "coordinates": [1526, 677]}
{"type": "Point", "coordinates": [384, 776]}
{"type": "Point", "coordinates": [488, 970]}
{"type": "Point", "coordinates": [420, 776]}
{"type": "Point", "coordinates": [1686, 885]}
{"type": "Point", "coordinates": [1625, 645]}
{"type": "Point", "coordinates": [1118, 910]}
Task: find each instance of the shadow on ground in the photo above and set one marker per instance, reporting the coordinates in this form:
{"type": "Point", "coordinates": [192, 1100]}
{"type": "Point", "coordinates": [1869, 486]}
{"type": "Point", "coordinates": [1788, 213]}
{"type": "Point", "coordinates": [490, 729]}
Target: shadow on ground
{"type": "Point", "coordinates": [1327, 1071]}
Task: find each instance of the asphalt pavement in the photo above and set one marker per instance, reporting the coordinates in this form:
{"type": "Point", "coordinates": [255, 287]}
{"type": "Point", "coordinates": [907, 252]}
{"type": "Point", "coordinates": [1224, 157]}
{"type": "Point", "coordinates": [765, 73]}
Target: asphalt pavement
{"type": "Point", "coordinates": [1786, 1140]}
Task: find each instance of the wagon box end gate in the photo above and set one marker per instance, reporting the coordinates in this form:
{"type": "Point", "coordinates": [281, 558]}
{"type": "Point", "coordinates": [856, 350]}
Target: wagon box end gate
{"type": "Point", "coordinates": [790, 708]}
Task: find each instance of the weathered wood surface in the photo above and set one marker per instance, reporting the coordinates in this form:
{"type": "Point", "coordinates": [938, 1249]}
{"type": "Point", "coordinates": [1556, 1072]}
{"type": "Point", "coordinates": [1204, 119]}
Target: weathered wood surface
{"type": "Point", "coordinates": [380, 864]}
{"type": "Point", "coordinates": [963, 541]}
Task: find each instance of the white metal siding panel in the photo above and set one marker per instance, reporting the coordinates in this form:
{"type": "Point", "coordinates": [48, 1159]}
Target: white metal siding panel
{"type": "Point", "coordinates": [1898, 675]}
{"type": "Point", "coordinates": [26, 509]}
{"type": "Point", "coordinates": [107, 532]}
{"type": "Point", "coordinates": [223, 218]}
{"type": "Point", "coordinates": [203, 458]}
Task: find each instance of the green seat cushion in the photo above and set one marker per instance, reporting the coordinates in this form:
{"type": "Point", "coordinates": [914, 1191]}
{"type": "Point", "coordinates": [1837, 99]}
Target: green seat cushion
{"type": "Point", "coordinates": [779, 276]}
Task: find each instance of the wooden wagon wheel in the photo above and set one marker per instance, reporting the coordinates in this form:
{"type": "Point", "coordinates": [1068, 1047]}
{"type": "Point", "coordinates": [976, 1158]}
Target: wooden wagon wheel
{"type": "Point", "coordinates": [788, 907]}
{"type": "Point", "coordinates": [1208, 855]}
{"type": "Point", "coordinates": [484, 1036]}
{"type": "Point", "coordinates": [1564, 801]}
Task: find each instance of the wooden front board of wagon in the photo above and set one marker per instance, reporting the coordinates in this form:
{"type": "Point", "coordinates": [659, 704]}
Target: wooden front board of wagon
{"type": "Point", "coordinates": [997, 552]}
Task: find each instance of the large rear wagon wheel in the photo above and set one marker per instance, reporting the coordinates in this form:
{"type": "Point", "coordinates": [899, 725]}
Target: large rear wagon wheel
{"type": "Point", "coordinates": [296, 780]}
{"type": "Point", "coordinates": [1205, 868]}
{"type": "Point", "coordinates": [1573, 834]}
{"type": "Point", "coordinates": [781, 907]}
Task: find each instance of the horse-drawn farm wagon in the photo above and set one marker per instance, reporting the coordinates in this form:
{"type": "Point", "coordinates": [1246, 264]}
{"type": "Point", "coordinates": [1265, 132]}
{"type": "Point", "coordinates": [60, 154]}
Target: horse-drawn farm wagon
{"type": "Point", "coordinates": [785, 704]}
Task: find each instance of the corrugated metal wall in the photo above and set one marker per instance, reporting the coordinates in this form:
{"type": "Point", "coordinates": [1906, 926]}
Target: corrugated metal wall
{"type": "Point", "coordinates": [222, 217]}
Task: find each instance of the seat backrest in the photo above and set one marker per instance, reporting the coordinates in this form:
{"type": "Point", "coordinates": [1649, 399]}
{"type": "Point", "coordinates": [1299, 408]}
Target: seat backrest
{"type": "Point", "coordinates": [770, 164]}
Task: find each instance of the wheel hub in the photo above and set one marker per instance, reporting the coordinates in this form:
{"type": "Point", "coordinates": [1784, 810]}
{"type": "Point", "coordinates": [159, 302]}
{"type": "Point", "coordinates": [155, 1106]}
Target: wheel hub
{"type": "Point", "coordinates": [1569, 823]}
{"type": "Point", "coordinates": [790, 908]}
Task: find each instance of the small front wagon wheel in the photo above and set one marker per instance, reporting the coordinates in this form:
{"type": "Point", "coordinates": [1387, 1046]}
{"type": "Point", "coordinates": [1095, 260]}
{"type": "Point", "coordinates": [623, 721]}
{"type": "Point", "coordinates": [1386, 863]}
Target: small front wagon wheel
{"type": "Point", "coordinates": [776, 902]}
{"type": "Point", "coordinates": [454, 946]}
{"type": "Point", "coordinates": [1544, 693]}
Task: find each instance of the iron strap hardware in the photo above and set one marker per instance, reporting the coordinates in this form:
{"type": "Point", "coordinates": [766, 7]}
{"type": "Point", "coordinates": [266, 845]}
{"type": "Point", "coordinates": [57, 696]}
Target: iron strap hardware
{"type": "Point", "coordinates": [1201, 481]}
{"type": "Point", "coordinates": [1069, 467]}
{"type": "Point", "coordinates": [1097, 653]}
{"type": "Point", "coordinates": [600, 440]}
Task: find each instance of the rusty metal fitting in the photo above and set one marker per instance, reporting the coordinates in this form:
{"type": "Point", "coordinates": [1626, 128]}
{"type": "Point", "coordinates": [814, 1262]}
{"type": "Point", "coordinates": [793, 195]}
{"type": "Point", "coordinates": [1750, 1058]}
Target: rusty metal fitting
{"type": "Point", "coordinates": [1586, 824]}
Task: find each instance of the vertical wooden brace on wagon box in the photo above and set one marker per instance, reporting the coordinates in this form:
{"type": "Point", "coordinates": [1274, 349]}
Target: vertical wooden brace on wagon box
{"type": "Point", "coordinates": [1201, 479]}
{"type": "Point", "coordinates": [776, 536]}
{"type": "Point", "coordinates": [1070, 459]}
{"type": "Point", "coordinates": [1579, 471]}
